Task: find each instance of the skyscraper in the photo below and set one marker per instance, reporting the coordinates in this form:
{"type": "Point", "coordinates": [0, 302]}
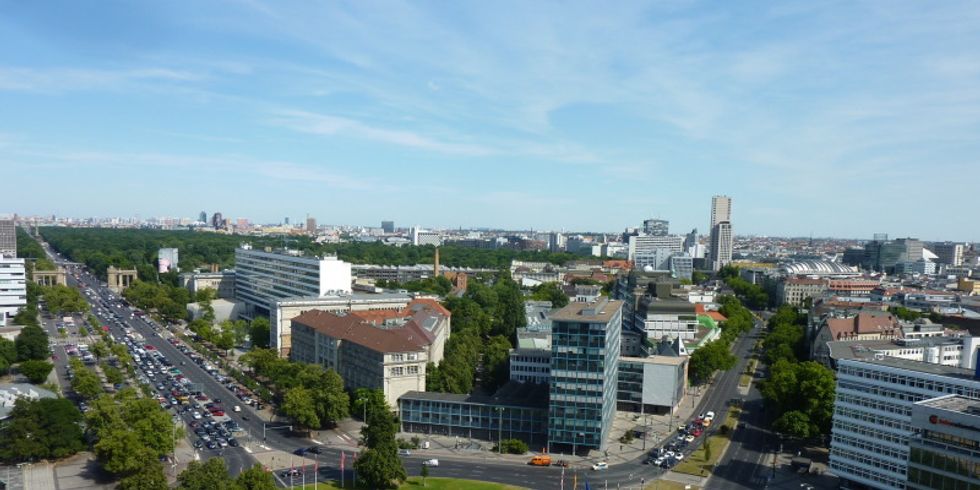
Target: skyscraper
{"type": "Point", "coordinates": [721, 232]}
{"type": "Point", "coordinates": [311, 225]}
{"type": "Point", "coordinates": [656, 227]}
{"type": "Point", "coordinates": [8, 238]}
{"type": "Point", "coordinates": [388, 226]}
{"type": "Point", "coordinates": [949, 253]}
{"type": "Point", "coordinates": [203, 217]}
{"type": "Point", "coordinates": [585, 350]}
{"type": "Point", "coordinates": [217, 221]}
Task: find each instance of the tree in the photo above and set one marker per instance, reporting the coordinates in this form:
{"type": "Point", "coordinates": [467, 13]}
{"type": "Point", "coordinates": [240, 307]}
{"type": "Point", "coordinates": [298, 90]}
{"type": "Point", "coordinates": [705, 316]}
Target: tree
{"type": "Point", "coordinates": [210, 475]}
{"type": "Point", "coordinates": [496, 363]}
{"type": "Point", "coordinates": [256, 478]}
{"type": "Point", "coordinates": [807, 388]}
{"type": "Point", "coordinates": [112, 374]}
{"type": "Point", "coordinates": [36, 371]}
{"type": "Point", "coordinates": [424, 472]}
{"type": "Point", "coordinates": [149, 477]}
{"type": "Point", "coordinates": [699, 277]}
{"type": "Point", "coordinates": [121, 452]}
{"type": "Point", "coordinates": [32, 343]}
{"type": "Point", "coordinates": [709, 358]}
{"type": "Point", "coordinates": [84, 381]}
{"type": "Point", "coordinates": [796, 424]}
{"type": "Point", "coordinates": [364, 398]}
{"type": "Point", "coordinates": [299, 406]}
{"type": "Point", "coordinates": [550, 291]}
{"type": "Point", "coordinates": [380, 468]}
{"type": "Point", "coordinates": [63, 299]}
{"type": "Point", "coordinates": [332, 401]}
{"type": "Point", "coordinates": [516, 446]}
{"type": "Point", "coordinates": [259, 332]}
{"type": "Point", "coordinates": [8, 350]}
{"type": "Point", "coordinates": [47, 428]}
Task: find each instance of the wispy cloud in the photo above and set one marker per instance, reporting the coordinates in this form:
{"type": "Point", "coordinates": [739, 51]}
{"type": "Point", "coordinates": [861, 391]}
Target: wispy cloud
{"type": "Point", "coordinates": [58, 80]}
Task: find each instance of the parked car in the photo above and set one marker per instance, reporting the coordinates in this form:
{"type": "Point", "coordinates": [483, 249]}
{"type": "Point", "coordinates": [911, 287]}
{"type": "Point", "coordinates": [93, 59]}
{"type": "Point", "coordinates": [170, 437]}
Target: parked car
{"type": "Point", "coordinates": [430, 462]}
{"type": "Point", "coordinates": [601, 465]}
{"type": "Point", "coordinates": [404, 452]}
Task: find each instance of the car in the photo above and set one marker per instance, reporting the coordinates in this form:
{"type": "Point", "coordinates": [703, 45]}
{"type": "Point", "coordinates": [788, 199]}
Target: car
{"type": "Point", "coordinates": [430, 462]}
{"type": "Point", "coordinates": [689, 438]}
{"type": "Point", "coordinates": [198, 444]}
{"type": "Point", "coordinates": [318, 450]}
{"type": "Point", "coordinates": [212, 445]}
{"type": "Point", "coordinates": [300, 452]}
{"type": "Point", "coordinates": [404, 452]}
{"type": "Point", "coordinates": [196, 415]}
{"type": "Point", "coordinates": [218, 413]}
{"type": "Point", "coordinates": [290, 473]}
{"type": "Point", "coordinates": [601, 465]}
{"type": "Point", "coordinates": [232, 442]}
{"type": "Point", "coordinates": [245, 418]}
{"type": "Point", "coordinates": [222, 442]}
{"type": "Point", "coordinates": [678, 456]}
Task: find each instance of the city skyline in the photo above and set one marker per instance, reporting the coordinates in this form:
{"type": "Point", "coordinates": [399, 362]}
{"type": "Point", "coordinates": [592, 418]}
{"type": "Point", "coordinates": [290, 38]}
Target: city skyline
{"type": "Point", "coordinates": [817, 120]}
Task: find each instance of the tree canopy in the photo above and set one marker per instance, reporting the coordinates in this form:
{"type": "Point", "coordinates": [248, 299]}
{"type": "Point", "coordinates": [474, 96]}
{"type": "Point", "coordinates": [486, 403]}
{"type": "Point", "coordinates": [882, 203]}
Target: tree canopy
{"type": "Point", "coordinates": [35, 370]}
{"type": "Point", "coordinates": [379, 466]}
{"type": "Point", "coordinates": [802, 395]}
{"type": "Point", "coordinates": [47, 428]}
{"type": "Point", "coordinates": [550, 291]}
{"type": "Point", "coordinates": [32, 343]}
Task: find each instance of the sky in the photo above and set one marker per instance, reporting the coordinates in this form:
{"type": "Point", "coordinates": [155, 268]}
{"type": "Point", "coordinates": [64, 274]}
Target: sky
{"type": "Point", "coordinates": [826, 118]}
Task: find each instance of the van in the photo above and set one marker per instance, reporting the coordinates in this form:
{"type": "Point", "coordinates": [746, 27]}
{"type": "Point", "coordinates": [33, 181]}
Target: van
{"type": "Point", "coordinates": [540, 460]}
{"type": "Point", "coordinates": [237, 408]}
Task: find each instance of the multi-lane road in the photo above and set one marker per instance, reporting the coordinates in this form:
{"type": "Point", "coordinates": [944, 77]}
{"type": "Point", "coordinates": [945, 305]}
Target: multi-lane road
{"type": "Point", "coordinates": [744, 462]}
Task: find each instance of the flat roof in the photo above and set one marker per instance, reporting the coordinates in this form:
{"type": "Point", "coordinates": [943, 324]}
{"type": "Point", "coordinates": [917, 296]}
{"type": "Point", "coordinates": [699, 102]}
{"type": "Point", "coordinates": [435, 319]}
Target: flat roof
{"type": "Point", "coordinates": [858, 349]}
{"type": "Point", "coordinates": [595, 311]}
{"type": "Point", "coordinates": [666, 360]}
{"type": "Point", "coordinates": [954, 403]}
{"type": "Point", "coordinates": [513, 394]}
{"type": "Point", "coordinates": [923, 367]}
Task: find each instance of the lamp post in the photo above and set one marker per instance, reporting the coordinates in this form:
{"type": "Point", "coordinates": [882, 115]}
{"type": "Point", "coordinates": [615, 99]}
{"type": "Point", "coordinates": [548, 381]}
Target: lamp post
{"type": "Point", "coordinates": [500, 429]}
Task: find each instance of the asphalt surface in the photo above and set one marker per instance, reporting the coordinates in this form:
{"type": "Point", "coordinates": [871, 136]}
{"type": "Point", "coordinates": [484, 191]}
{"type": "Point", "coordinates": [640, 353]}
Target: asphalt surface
{"type": "Point", "coordinates": [744, 461]}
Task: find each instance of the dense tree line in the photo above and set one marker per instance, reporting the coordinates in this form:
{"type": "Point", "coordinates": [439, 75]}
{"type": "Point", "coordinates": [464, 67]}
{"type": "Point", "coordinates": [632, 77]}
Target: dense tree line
{"type": "Point", "coordinates": [60, 299]}
{"type": "Point", "coordinates": [28, 248]}
{"type": "Point", "coordinates": [800, 393]}
{"type": "Point", "coordinates": [717, 355]}
{"type": "Point", "coordinates": [753, 295]}
{"type": "Point", "coordinates": [167, 300]}
{"type": "Point", "coordinates": [484, 325]}
{"type": "Point", "coordinates": [47, 428]}
{"type": "Point", "coordinates": [98, 248]}
{"type": "Point", "coordinates": [550, 291]}
{"type": "Point", "coordinates": [213, 475]}
{"type": "Point", "coordinates": [313, 397]}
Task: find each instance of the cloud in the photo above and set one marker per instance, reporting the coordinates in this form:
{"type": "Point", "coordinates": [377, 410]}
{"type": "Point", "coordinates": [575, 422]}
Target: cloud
{"type": "Point", "coordinates": [58, 80]}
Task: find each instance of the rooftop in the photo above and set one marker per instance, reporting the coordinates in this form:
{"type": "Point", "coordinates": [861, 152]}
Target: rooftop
{"type": "Point", "coordinates": [921, 367]}
{"type": "Point", "coordinates": [512, 394]}
{"type": "Point", "coordinates": [601, 310]}
{"type": "Point", "coordinates": [406, 330]}
{"type": "Point", "coordinates": [954, 403]}
{"type": "Point", "coordinates": [866, 349]}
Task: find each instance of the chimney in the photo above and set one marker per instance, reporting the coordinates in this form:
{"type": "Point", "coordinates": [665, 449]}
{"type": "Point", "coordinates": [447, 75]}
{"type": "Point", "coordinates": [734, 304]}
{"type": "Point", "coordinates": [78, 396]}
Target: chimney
{"type": "Point", "coordinates": [435, 266]}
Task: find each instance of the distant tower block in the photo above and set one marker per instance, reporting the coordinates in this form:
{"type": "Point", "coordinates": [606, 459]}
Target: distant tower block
{"type": "Point", "coordinates": [119, 279]}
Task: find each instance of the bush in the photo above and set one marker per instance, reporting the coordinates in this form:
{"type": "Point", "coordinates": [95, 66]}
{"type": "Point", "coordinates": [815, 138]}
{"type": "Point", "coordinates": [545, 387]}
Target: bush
{"type": "Point", "coordinates": [512, 446]}
{"type": "Point", "coordinates": [627, 437]}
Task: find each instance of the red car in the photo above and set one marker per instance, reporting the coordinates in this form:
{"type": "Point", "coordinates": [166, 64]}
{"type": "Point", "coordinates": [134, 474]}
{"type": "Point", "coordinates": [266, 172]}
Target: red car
{"type": "Point", "coordinates": [218, 413]}
{"type": "Point", "coordinates": [697, 432]}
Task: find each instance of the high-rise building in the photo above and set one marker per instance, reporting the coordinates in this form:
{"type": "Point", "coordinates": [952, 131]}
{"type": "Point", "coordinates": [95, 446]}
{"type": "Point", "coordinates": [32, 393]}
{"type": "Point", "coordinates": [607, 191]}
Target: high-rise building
{"type": "Point", "coordinates": [556, 242]}
{"type": "Point", "coordinates": [949, 253]}
{"type": "Point", "coordinates": [656, 227]}
{"type": "Point", "coordinates": [388, 226]}
{"type": "Point", "coordinates": [721, 245]}
{"type": "Point", "coordinates": [873, 425]}
{"type": "Point", "coordinates": [287, 220]}
{"type": "Point", "coordinates": [721, 232]}
{"type": "Point", "coordinates": [311, 225]}
{"type": "Point", "coordinates": [13, 287]}
{"type": "Point", "coordinates": [217, 221]}
{"type": "Point", "coordinates": [721, 209]}
{"type": "Point", "coordinates": [203, 217]}
{"type": "Point", "coordinates": [167, 259]}
{"type": "Point", "coordinates": [8, 238]}
{"type": "Point", "coordinates": [654, 250]}
{"type": "Point", "coordinates": [422, 237]}
{"type": "Point", "coordinates": [585, 348]}
{"type": "Point", "coordinates": [690, 240]}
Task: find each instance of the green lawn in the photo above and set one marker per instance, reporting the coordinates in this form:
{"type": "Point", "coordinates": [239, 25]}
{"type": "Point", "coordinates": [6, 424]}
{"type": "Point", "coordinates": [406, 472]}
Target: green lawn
{"type": "Point", "coordinates": [669, 485]}
{"type": "Point", "coordinates": [415, 483]}
{"type": "Point", "coordinates": [744, 380]}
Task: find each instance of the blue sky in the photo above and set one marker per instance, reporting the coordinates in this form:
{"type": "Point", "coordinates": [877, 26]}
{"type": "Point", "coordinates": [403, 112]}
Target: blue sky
{"type": "Point", "coordinates": [838, 119]}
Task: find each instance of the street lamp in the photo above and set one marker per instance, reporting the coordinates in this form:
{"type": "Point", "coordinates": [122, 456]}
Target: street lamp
{"type": "Point", "coordinates": [500, 429]}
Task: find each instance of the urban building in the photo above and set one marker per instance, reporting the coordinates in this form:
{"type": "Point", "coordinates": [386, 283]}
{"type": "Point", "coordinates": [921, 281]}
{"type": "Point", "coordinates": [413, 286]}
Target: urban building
{"type": "Point", "coordinates": [873, 427]}
{"type": "Point", "coordinates": [818, 268]}
{"type": "Point", "coordinates": [406, 273]}
{"type": "Point", "coordinates": [217, 221]}
{"type": "Point", "coordinates": [656, 227]}
{"type": "Point", "coordinates": [203, 217]}
{"type": "Point", "coordinates": [796, 290]}
{"type": "Point", "coordinates": [721, 210]}
{"type": "Point", "coordinates": [388, 227]}
{"type": "Point", "coordinates": [585, 346]}
{"type": "Point", "coordinates": [223, 283]}
{"type": "Point", "coordinates": [13, 287]}
{"type": "Point", "coordinates": [885, 255]}
{"type": "Point", "coordinates": [969, 286]}
{"type": "Point", "coordinates": [8, 238]}
{"type": "Point", "coordinates": [515, 411]}
{"type": "Point", "coordinates": [948, 253]}
{"type": "Point", "coordinates": [311, 225]}
{"type": "Point", "coordinates": [682, 266]}
{"type": "Point", "coordinates": [659, 314]}
{"type": "Point", "coordinates": [264, 276]}
{"type": "Point", "coordinates": [945, 451]}
{"type": "Point", "coordinates": [652, 385]}
{"type": "Point", "coordinates": [654, 250]}
{"type": "Point", "coordinates": [372, 349]}
{"type": "Point", "coordinates": [11, 392]}
{"type": "Point", "coordinates": [721, 245]}
{"type": "Point", "coordinates": [530, 364]}
{"type": "Point", "coordinates": [168, 259]}
{"type": "Point", "coordinates": [422, 237]}
{"type": "Point", "coordinates": [944, 350]}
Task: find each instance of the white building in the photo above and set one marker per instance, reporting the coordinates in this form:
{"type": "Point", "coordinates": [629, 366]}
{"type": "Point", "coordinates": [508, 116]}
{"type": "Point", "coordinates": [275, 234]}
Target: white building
{"type": "Point", "coordinates": [654, 250]}
{"type": "Point", "coordinates": [262, 277]}
{"type": "Point", "coordinates": [872, 422]}
{"type": "Point", "coordinates": [721, 245]}
{"type": "Point", "coordinates": [8, 238]}
{"type": "Point", "coordinates": [422, 237]}
{"type": "Point", "coordinates": [13, 287]}
{"type": "Point", "coordinates": [168, 259]}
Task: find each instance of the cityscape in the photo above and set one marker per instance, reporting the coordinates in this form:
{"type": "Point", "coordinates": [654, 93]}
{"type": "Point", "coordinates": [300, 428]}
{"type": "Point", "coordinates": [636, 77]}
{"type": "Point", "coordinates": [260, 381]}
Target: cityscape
{"type": "Point", "coordinates": [653, 246]}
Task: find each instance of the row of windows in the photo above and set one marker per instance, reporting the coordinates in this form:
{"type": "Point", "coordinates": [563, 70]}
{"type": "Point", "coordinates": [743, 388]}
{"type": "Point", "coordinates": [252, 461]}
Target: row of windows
{"type": "Point", "coordinates": [848, 468]}
{"type": "Point", "coordinates": [878, 391]}
{"type": "Point", "coordinates": [869, 432]}
{"type": "Point", "coordinates": [412, 356]}
{"type": "Point", "coordinates": [929, 479]}
{"type": "Point", "coordinates": [955, 442]}
{"type": "Point", "coordinates": [911, 381]}
{"type": "Point", "coordinates": [871, 418]}
{"type": "Point", "coordinates": [874, 404]}
{"type": "Point", "coordinates": [949, 464]}
{"type": "Point", "coordinates": [870, 461]}
{"type": "Point", "coordinates": [866, 445]}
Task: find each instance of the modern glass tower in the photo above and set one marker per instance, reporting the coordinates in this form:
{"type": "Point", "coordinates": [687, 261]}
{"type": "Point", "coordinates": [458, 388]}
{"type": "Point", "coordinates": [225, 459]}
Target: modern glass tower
{"type": "Point", "coordinates": [584, 372]}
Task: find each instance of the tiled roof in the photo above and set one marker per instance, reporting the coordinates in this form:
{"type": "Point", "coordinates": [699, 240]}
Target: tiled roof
{"type": "Point", "coordinates": [863, 324]}
{"type": "Point", "coordinates": [350, 328]}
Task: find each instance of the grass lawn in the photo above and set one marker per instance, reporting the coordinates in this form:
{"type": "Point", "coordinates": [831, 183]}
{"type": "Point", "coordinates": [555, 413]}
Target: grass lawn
{"type": "Point", "coordinates": [697, 463]}
{"type": "Point", "coordinates": [415, 483]}
{"type": "Point", "coordinates": [669, 485]}
{"type": "Point", "coordinates": [744, 380]}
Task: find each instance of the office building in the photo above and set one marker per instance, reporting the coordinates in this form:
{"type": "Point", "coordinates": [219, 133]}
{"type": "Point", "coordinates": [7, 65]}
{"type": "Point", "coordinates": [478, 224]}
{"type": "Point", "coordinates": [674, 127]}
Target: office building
{"type": "Point", "coordinates": [388, 227]}
{"type": "Point", "coordinates": [13, 287]}
{"type": "Point", "coordinates": [167, 260]}
{"type": "Point", "coordinates": [721, 245]}
{"type": "Point", "coordinates": [654, 250]}
{"type": "Point", "coordinates": [656, 227]}
{"type": "Point", "coordinates": [217, 221]}
{"type": "Point", "coordinates": [311, 225]}
{"type": "Point", "coordinates": [390, 359]}
{"type": "Point", "coordinates": [556, 242]}
{"type": "Point", "coordinates": [796, 290]}
{"type": "Point", "coordinates": [653, 384]}
{"type": "Point", "coordinates": [721, 210]}
{"type": "Point", "coordinates": [682, 266]}
{"type": "Point", "coordinates": [585, 346]}
{"type": "Point", "coordinates": [948, 253]}
{"type": "Point", "coordinates": [223, 283]}
{"type": "Point", "coordinates": [422, 237]}
{"type": "Point", "coordinates": [945, 452]}
{"type": "Point", "coordinates": [690, 240]}
{"type": "Point", "coordinates": [872, 421]}
{"type": "Point", "coordinates": [203, 217]}
{"type": "Point", "coordinates": [8, 238]}
{"type": "Point", "coordinates": [262, 277]}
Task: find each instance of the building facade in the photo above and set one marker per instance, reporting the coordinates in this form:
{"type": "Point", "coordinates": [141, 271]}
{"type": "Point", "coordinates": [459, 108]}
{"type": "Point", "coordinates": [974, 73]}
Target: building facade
{"type": "Point", "coordinates": [656, 227]}
{"type": "Point", "coordinates": [168, 259]}
{"type": "Point", "coordinates": [13, 287]}
{"type": "Point", "coordinates": [585, 350]}
{"type": "Point", "coordinates": [721, 245]}
{"type": "Point", "coordinates": [652, 384]}
{"type": "Point", "coordinates": [945, 452]}
{"type": "Point", "coordinates": [264, 276]}
{"type": "Point", "coordinates": [796, 290]}
{"type": "Point", "coordinates": [872, 421]}
{"type": "Point", "coordinates": [949, 253]}
{"type": "Point", "coordinates": [8, 238]}
{"type": "Point", "coordinates": [223, 283]}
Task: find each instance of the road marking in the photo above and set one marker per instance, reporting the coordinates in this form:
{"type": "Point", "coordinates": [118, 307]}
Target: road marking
{"type": "Point", "coordinates": [263, 446]}
{"type": "Point", "coordinates": [316, 442]}
{"type": "Point", "coordinates": [247, 450]}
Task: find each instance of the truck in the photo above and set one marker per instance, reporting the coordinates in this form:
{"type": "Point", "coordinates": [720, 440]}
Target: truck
{"type": "Point", "coordinates": [540, 460]}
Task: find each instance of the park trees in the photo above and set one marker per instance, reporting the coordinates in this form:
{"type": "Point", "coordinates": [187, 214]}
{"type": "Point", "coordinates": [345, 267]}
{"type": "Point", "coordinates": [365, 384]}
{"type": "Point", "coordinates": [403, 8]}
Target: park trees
{"type": "Point", "coordinates": [550, 291]}
{"type": "Point", "coordinates": [32, 343]}
{"type": "Point", "coordinates": [713, 356]}
{"type": "Point", "coordinates": [63, 299]}
{"type": "Point", "coordinates": [258, 332]}
{"type": "Point", "coordinates": [131, 432]}
{"type": "Point", "coordinates": [379, 466]}
{"type": "Point", "coordinates": [35, 370]}
{"type": "Point", "coordinates": [802, 395]}
{"type": "Point", "coordinates": [47, 428]}
{"type": "Point", "coordinates": [85, 382]}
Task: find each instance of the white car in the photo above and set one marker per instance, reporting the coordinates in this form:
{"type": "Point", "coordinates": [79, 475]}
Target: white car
{"type": "Point", "coordinates": [601, 465]}
{"type": "Point", "coordinates": [197, 415]}
{"type": "Point", "coordinates": [404, 452]}
{"type": "Point", "coordinates": [678, 455]}
{"type": "Point", "coordinates": [430, 462]}
{"type": "Point", "coordinates": [709, 415]}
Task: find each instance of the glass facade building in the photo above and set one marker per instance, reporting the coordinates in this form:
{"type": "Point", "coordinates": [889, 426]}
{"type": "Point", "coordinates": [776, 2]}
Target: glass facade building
{"type": "Point", "coordinates": [585, 348]}
{"type": "Point", "coordinates": [946, 452]}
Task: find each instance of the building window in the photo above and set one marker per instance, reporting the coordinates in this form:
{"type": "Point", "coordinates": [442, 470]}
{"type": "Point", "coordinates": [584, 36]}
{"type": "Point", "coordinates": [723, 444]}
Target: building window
{"type": "Point", "coordinates": [413, 369]}
{"type": "Point", "coordinates": [397, 371]}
